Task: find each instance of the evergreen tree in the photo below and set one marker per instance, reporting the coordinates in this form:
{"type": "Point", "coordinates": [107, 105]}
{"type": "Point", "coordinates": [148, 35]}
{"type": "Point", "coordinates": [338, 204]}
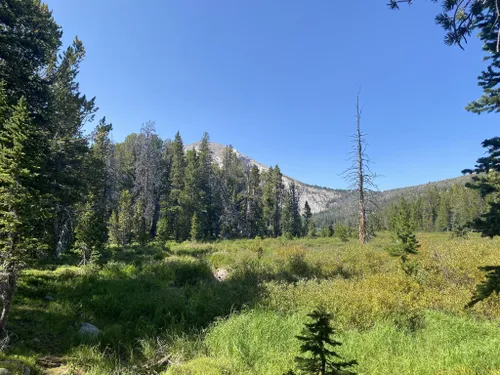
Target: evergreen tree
{"type": "Point", "coordinates": [268, 200]}
{"type": "Point", "coordinates": [190, 196]}
{"type": "Point", "coordinates": [68, 112]}
{"type": "Point", "coordinates": [406, 241]}
{"type": "Point", "coordinates": [21, 208]}
{"type": "Point", "coordinates": [319, 345]}
{"type": "Point", "coordinates": [443, 219]}
{"type": "Point", "coordinates": [196, 233]}
{"type": "Point", "coordinates": [253, 215]}
{"type": "Point", "coordinates": [231, 184]}
{"type": "Point", "coordinates": [278, 191]}
{"type": "Point", "coordinates": [291, 220]}
{"type": "Point", "coordinates": [148, 179]}
{"type": "Point", "coordinates": [307, 215]}
{"type": "Point", "coordinates": [207, 213]}
{"type": "Point", "coordinates": [90, 237]}
{"type": "Point", "coordinates": [174, 210]}
{"type": "Point", "coordinates": [487, 182]}
{"type": "Point", "coordinates": [93, 212]}
{"type": "Point", "coordinates": [27, 55]}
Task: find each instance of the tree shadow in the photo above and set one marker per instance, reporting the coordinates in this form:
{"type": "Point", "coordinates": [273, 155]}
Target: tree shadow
{"type": "Point", "coordinates": [125, 302]}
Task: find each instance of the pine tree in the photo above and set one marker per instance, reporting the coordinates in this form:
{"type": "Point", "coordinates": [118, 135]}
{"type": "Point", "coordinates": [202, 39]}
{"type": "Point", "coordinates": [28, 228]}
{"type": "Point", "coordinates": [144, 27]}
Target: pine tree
{"type": "Point", "coordinates": [93, 212]}
{"type": "Point", "coordinates": [231, 191]}
{"type": "Point", "coordinates": [177, 180]}
{"type": "Point", "coordinates": [90, 237]}
{"type": "Point", "coordinates": [406, 241]}
{"type": "Point", "coordinates": [291, 220]}
{"type": "Point", "coordinates": [190, 196]}
{"type": "Point", "coordinates": [196, 233]}
{"type": "Point", "coordinates": [319, 345]}
{"type": "Point", "coordinates": [268, 200]}
{"type": "Point", "coordinates": [443, 219]}
{"type": "Point", "coordinates": [20, 201]}
{"type": "Point", "coordinates": [252, 206]}
{"type": "Point", "coordinates": [67, 150]}
{"type": "Point", "coordinates": [307, 215]}
{"type": "Point", "coordinates": [207, 213]}
{"type": "Point", "coordinates": [487, 182]}
{"type": "Point", "coordinates": [148, 178]}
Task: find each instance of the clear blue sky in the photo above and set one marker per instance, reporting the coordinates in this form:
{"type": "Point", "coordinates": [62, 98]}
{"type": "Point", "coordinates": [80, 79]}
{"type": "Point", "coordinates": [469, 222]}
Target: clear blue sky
{"type": "Point", "coordinates": [278, 80]}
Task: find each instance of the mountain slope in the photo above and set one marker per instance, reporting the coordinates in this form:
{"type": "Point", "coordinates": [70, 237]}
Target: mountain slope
{"type": "Point", "coordinates": [334, 204]}
{"type": "Point", "coordinates": [346, 209]}
{"type": "Point", "coordinates": [319, 198]}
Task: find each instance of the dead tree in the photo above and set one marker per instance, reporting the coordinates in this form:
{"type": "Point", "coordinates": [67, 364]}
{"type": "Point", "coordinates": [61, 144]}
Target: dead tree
{"type": "Point", "coordinates": [359, 174]}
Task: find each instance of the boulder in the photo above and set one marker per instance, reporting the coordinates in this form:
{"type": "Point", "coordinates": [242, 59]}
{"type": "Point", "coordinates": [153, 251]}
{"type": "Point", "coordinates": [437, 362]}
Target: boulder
{"type": "Point", "coordinates": [88, 329]}
{"type": "Point", "coordinates": [221, 274]}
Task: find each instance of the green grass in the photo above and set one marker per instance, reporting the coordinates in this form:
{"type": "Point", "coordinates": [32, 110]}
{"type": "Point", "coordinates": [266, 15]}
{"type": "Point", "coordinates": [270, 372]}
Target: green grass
{"type": "Point", "coordinates": [263, 342]}
{"type": "Point", "coordinates": [161, 310]}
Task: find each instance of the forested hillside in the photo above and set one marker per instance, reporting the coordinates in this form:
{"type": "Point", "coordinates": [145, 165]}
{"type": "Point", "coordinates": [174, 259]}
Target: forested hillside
{"type": "Point", "coordinates": [437, 206]}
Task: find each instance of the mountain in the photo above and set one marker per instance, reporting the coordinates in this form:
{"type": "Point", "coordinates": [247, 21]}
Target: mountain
{"type": "Point", "coordinates": [334, 204]}
{"type": "Point", "coordinates": [319, 198]}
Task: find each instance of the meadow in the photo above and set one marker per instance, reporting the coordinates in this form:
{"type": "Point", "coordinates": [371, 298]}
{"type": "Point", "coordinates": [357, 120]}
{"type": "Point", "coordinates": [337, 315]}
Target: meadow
{"type": "Point", "coordinates": [235, 307]}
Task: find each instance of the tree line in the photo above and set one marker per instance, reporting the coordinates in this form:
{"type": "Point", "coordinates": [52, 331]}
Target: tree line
{"type": "Point", "coordinates": [150, 189]}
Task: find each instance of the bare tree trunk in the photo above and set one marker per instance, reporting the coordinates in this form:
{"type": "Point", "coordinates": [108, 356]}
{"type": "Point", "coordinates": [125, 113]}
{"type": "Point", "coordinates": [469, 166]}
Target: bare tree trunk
{"type": "Point", "coordinates": [8, 280]}
{"type": "Point", "coordinates": [361, 177]}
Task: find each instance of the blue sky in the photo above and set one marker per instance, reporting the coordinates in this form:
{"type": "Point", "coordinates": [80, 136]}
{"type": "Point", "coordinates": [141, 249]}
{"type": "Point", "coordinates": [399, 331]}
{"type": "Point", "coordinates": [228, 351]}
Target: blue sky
{"type": "Point", "coordinates": [278, 81]}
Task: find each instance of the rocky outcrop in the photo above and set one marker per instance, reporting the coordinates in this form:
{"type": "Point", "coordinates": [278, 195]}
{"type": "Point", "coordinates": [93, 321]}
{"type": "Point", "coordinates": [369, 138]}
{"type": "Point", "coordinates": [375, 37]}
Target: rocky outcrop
{"type": "Point", "coordinates": [318, 198]}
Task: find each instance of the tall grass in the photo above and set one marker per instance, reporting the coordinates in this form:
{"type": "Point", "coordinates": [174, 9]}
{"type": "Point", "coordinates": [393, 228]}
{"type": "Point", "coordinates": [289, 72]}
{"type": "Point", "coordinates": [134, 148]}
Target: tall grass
{"type": "Point", "coordinates": [263, 343]}
{"type": "Point", "coordinates": [160, 308]}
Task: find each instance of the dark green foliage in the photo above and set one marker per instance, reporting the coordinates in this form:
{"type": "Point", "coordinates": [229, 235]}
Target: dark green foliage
{"type": "Point", "coordinates": [21, 203]}
{"type": "Point", "coordinates": [253, 215]}
{"type": "Point", "coordinates": [319, 346]}
{"type": "Point", "coordinates": [306, 218]}
{"type": "Point", "coordinates": [406, 241]}
{"type": "Point", "coordinates": [29, 41]}
{"type": "Point", "coordinates": [196, 231]}
{"type": "Point", "coordinates": [487, 182]}
{"type": "Point", "coordinates": [274, 192]}
{"type": "Point", "coordinates": [172, 210]}
{"type": "Point", "coordinates": [488, 287]}
{"type": "Point", "coordinates": [291, 219]}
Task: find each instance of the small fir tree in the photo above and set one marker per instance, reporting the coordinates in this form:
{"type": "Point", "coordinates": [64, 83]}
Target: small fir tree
{"type": "Point", "coordinates": [319, 346]}
{"type": "Point", "coordinates": [406, 241]}
{"type": "Point", "coordinates": [90, 238]}
{"type": "Point", "coordinates": [196, 230]}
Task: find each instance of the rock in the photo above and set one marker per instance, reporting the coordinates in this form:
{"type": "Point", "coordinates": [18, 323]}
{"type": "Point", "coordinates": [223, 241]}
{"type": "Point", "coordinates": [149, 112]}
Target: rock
{"type": "Point", "coordinates": [27, 371]}
{"type": "Point", "coordinates": [88, 329]}
{"type": "Point", "coordinates": [4, 371]}
{"type": "Point", "coordinates": [49, 298]}
{"type": "Point", "coordinates": [221, 274]}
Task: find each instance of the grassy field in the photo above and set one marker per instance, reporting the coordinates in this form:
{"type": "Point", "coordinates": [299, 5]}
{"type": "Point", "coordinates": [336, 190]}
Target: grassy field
{"type": "Point", "coordinates": [162, 311]}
